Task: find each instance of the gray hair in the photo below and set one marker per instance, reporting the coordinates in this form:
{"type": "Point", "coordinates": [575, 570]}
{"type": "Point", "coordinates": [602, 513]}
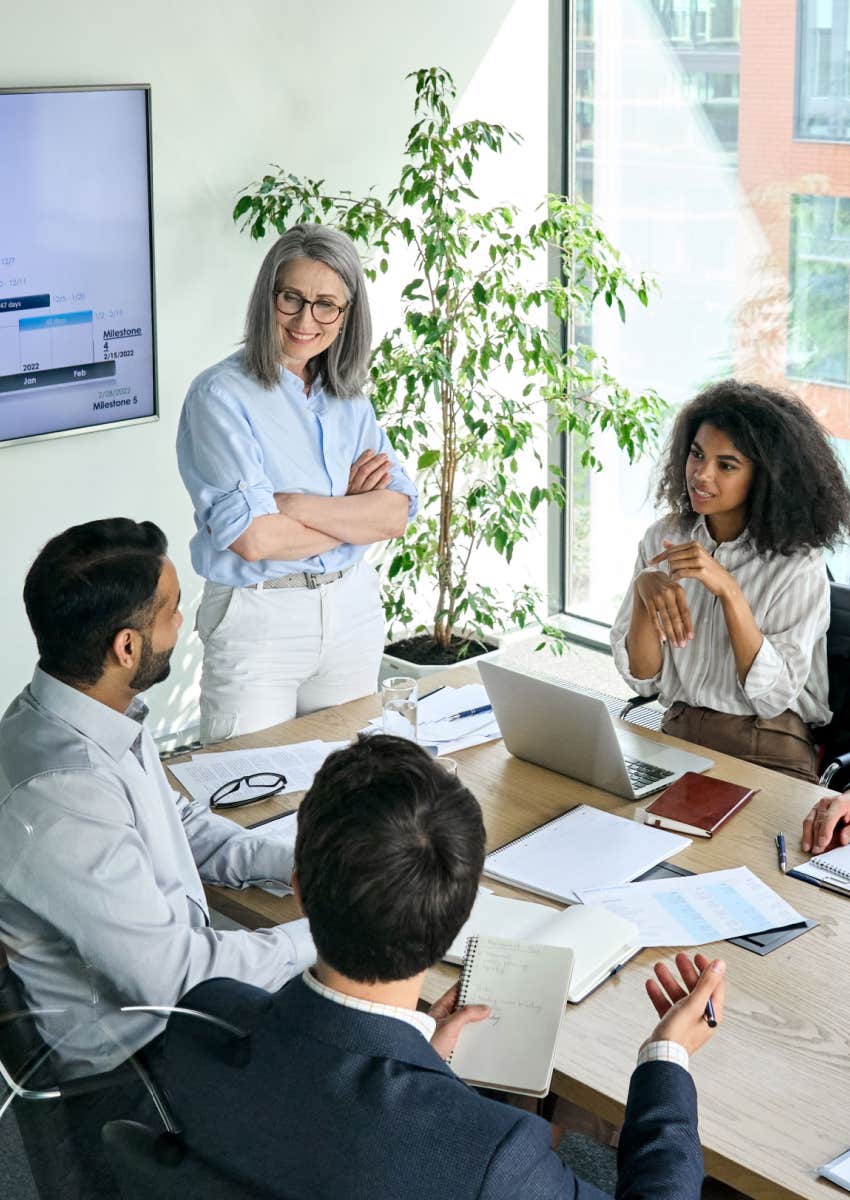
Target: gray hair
{"type": "Point", "coordinates": [344, 366]}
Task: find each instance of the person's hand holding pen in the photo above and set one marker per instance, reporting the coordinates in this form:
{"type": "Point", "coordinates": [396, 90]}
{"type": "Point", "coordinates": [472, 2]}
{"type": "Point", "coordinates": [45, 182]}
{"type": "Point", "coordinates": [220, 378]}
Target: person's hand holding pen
{"type": "Point", "coordinates": [828, 824]}
{"type": "Point", "coordinates": [685, 1014]}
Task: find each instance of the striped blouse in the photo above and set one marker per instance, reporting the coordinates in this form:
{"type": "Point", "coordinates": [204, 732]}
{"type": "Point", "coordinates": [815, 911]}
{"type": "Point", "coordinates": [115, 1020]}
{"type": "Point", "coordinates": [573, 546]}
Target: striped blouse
{"type": "Point", "coordinates": [789, 599]}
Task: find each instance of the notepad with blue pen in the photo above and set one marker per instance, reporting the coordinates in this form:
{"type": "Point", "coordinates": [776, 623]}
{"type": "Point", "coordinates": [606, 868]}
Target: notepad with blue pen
{"type": "Point", "coordinates": [830, 870]}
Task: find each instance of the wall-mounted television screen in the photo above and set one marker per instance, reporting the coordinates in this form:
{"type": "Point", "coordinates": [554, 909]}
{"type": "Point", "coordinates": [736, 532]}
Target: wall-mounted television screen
{"type": "Point", "coordinates": [77, 347]}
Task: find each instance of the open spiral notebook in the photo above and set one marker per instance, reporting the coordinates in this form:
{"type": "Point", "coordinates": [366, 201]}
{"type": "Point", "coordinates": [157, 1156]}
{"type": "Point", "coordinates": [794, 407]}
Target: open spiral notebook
{"type": "Point", "coordinates": [525, 986]}
{"type": "Point", "coordinates": [582, 848]}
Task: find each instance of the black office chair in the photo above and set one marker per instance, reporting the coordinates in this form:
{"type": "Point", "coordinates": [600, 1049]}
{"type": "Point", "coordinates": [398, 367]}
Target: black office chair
{"type": "Point", "coordinates": [834, 738]}
{"type": "Point", "coordinates": [147, 1164]}
{"type": "Point", "coordinates": [26, 1068]}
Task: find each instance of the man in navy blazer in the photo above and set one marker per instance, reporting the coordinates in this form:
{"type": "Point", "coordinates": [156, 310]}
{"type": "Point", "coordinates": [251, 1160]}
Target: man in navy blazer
{"type": "Point", "coordinates": [336, 1086]}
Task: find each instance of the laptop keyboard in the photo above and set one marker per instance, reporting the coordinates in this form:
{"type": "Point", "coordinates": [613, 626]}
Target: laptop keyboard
{"type": "Point", "coordinates": [641, 774]}
{"type": "Point", "coordinates": [647, 715]}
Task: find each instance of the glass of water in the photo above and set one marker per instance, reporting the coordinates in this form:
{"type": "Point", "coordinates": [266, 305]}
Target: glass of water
{"type": "Point", "coordinates": [400, 706]}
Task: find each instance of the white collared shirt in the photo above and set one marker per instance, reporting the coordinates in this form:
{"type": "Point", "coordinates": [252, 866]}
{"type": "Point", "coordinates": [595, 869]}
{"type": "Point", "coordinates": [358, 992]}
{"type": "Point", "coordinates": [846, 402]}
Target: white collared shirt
{"type": "Point", "coordinates": [653, 1052]}
{"type": "Point", "coordinates": [101, 865]}
{"type": "Point", "coordinates": [418, 1020]}
{"type": "Point", "coordinates": [789, 599]}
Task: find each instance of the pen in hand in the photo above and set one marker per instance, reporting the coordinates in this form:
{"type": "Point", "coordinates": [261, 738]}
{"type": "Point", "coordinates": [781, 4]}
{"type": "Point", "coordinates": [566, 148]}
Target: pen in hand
{"type": "Point", "coordinates": [709, 1014]}
{"type": "Point", "coordinates": [780, 848]}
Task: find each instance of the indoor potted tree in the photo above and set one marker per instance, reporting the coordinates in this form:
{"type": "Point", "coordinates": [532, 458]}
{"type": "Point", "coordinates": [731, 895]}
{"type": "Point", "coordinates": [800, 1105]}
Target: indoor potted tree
{"type": "Point", "coordinates": [471, 379]}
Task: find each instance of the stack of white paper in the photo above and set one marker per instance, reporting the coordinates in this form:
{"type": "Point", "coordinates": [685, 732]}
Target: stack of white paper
{"type": "Point", "coordinates": [442, 735]}
{"type": "Point", "coordinates": [298, 763]}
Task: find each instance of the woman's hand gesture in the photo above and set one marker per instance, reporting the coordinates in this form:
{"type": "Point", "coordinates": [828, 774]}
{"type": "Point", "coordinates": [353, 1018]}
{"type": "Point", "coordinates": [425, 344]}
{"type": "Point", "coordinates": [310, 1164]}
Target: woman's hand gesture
{"type": "Point", "coordinates": [666, 606]}
{"type": "Point", "coordinates": [691, 560]}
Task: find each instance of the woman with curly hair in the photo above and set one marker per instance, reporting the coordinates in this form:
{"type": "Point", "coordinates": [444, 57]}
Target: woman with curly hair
{"type": "Point", "coordinates": [727, 612]}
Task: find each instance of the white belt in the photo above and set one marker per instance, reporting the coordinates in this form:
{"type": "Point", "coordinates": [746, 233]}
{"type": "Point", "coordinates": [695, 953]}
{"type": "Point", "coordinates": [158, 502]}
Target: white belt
{"type": "Point", "coordinates": [300, 579]}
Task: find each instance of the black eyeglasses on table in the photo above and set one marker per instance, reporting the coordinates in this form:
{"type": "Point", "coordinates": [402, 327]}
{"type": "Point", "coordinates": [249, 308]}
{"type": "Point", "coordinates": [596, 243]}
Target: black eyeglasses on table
{"type": "Point", "coordinates": [264, 785]}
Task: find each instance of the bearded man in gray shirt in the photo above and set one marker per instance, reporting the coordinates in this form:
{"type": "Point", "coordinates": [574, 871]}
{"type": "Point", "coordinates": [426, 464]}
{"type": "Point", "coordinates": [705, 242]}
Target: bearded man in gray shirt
{"type": "Point", "coordinates": [101, 864]}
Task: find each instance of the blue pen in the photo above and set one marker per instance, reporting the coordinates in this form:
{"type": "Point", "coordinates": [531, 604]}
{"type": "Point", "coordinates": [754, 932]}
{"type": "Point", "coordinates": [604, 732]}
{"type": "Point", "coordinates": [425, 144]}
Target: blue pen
{"type": "Point", "coordinates": [471, 712]}
{"type": "Point", "coordinates": [820, 883]}
{"type": "Point", "coordinates": [780, 846]}
{"type": "Point", "coordinates": [710, 1015]}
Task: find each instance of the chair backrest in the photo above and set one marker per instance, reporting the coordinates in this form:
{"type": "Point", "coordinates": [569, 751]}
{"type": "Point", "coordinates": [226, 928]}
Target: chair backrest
{"type": "Point", "coordinates": [20, 1043]}
{"type": "Point", "coordinates": [146, 1164]}
{"type": "Point", "coordinates": [835, 738]}
{"type": "Point", "coordinates": [42, 1124]}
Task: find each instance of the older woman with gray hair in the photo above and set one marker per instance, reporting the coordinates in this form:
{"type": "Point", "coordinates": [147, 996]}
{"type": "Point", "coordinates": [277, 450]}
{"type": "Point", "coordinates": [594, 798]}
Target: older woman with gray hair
{"type": "Point", "coordinates": [292, 479]}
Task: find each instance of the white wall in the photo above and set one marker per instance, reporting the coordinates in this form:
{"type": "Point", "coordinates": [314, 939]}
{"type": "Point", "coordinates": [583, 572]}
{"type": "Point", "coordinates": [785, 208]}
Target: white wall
{"type": "Point", "coordinates": [317, 88]}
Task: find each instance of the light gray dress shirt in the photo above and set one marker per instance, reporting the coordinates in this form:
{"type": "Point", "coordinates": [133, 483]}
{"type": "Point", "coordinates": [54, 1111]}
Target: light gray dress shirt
{"type": "Point", "coordinates": [789, 599]}
{"type": "Point", "coordinates": [101, 900]}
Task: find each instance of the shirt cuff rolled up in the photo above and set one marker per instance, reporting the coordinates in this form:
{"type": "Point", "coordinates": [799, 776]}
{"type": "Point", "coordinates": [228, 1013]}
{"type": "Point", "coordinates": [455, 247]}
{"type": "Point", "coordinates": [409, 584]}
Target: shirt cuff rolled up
{"type": "Point", "coordinates": [664, 1051]}
{"type": "Point", "coordinates": [400, 483]}
{"type": "Point", "coordinates": [231, 515]}
{"type": "Point", "coordinates": [643, 687]}
{"type": "Point", "coordinates": [303, 948]}
{"type": "Point", "coordinates": [764, 673]}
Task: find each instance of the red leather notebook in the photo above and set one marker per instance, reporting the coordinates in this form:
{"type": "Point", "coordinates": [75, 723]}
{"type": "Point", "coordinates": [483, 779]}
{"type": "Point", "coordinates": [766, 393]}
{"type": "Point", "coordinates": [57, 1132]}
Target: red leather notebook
{"type": "Point", "coordinates": [697, 804]}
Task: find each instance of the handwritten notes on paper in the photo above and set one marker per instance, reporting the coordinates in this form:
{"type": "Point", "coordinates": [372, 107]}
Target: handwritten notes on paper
{"type": "Point", "coordinates": [525, 987]}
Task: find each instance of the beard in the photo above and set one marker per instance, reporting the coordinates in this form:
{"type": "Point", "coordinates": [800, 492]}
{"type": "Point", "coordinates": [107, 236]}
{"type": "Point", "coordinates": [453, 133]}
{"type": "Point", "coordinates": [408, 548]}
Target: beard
{"type": "Point", "coordinates": [153, 668]}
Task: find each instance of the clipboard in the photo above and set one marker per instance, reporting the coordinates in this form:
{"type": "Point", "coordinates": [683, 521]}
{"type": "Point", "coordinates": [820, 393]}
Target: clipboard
{"type": "Point", "coordinates": [757, 943]}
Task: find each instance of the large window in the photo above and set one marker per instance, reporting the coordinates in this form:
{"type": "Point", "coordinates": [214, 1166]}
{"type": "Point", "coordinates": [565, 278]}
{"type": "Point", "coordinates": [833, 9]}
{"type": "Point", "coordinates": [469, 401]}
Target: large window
{"type": "Point", "coordinates": [820, 289]}
{"type": "Point", "coordinates": [823, 70]}
{"type": "Point", "coordinates": [684, 140]}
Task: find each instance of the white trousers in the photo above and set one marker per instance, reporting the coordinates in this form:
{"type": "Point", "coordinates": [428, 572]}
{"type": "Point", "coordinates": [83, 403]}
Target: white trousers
{"type": "Point", "coordinates": [273, 654]}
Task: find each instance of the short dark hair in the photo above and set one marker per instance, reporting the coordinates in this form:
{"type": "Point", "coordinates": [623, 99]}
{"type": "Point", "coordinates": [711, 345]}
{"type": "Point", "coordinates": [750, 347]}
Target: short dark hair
{"type": "Point", "coordinates": [87, 584]}
{"type": "Point", "coordinates": [389, 853]}
{"type": "Point", "coordinates": [799, 498]}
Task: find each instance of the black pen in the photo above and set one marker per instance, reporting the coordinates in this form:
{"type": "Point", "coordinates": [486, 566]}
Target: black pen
{"type": "Point", "coordinates": [780, 847]}
{"type": "Point", "coordinates": [709, 1014]}
{"type": "Point", "coordinates": [268, 820]}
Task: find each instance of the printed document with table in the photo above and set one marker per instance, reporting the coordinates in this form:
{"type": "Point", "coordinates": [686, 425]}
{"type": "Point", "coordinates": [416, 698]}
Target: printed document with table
{"type": "Point", "coordinates": [567, 731]}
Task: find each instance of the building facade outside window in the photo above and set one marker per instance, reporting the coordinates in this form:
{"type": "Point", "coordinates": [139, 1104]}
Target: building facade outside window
{"type": "Point", "coordinates": [818, 341]}
{"type": "Point", "coordinates": [823, 70]}
{"type": "Point", "coordinates": [686, 141]}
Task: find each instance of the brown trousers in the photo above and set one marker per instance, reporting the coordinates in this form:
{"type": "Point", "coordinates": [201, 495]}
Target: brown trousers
{"type": "Point", "coordinates": [784, 743]}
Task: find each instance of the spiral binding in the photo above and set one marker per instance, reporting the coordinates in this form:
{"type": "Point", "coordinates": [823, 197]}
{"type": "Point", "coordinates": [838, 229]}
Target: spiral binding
{"type": "Point", "coordinates": [526, 837]}
{"type": "Point", "coordinates": [468, 959]}
{"type": "Point", "coordinates": [830, 868]}
{"type": "Point", "coordinates": [465, 972]}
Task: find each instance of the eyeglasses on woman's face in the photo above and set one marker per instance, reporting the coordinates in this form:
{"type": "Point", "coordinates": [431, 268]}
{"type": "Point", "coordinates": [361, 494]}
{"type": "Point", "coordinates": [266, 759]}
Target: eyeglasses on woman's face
{"type": "Point", "coordinates": [325, 312]}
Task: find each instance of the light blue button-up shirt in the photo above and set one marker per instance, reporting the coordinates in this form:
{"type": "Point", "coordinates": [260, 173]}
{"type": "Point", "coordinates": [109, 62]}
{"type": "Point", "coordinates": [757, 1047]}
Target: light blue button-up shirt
{"type": "Point", "coordinates": [239, 443]}
{"type": "Point", "coordinates": [101, 900]}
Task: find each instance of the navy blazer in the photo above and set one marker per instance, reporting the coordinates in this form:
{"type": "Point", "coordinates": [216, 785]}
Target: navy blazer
{"type": "Point", "coordinates": [321, 1101]}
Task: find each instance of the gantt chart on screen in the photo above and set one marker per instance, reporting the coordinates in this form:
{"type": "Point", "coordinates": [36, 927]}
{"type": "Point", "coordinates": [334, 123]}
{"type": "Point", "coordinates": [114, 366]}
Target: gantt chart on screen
{"type": "Point", "coordinates": [76, 336]}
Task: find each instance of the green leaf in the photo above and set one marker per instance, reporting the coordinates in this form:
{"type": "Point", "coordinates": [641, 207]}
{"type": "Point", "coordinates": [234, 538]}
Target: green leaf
{"type": "Point", "coordinates": [427, 459]}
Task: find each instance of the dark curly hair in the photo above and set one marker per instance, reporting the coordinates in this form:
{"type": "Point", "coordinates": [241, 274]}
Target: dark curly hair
{"type": "Point", "coordinates": [799, 498]}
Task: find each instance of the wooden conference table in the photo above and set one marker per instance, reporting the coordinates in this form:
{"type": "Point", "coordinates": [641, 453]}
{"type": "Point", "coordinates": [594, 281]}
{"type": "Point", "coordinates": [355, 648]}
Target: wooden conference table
{"type": "Point", "coordinates": [774, 1084]}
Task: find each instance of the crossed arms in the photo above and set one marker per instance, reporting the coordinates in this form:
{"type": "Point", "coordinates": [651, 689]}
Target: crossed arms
{"type": "Point", "coordinates": [306, 524]}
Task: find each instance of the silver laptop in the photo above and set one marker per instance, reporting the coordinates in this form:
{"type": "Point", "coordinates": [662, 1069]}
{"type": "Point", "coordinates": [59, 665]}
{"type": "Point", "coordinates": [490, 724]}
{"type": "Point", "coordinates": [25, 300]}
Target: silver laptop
{"type": "Point", "coordinates": [567, 731]}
